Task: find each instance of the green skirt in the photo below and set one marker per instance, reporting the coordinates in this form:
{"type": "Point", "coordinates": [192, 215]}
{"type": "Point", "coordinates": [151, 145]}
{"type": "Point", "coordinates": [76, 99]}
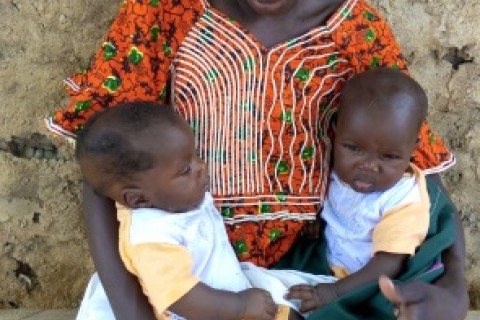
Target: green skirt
{"type": "Point", "coordinates": [367, 302]}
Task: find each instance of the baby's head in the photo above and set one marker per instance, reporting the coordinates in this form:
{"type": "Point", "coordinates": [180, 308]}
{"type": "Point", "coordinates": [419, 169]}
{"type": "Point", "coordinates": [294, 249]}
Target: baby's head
{"type": "Point", "coordinates": [379, 118]}
{"type": "Point", "coordinates": [142, 155]}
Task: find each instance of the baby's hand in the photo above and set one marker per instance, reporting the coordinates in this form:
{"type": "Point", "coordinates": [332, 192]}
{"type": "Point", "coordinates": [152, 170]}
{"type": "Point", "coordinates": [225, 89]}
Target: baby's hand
{"type": "Point", "coordinates": [312, 229]}
{"type": "Point", "coordinates": [258, 304]}
{"type": "Point", "coordinates": [312, 297]}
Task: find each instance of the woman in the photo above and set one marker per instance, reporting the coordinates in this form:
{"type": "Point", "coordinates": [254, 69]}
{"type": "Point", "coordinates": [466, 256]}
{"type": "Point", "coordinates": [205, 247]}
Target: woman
{"type": "Point", "coordinates": [258, 80]}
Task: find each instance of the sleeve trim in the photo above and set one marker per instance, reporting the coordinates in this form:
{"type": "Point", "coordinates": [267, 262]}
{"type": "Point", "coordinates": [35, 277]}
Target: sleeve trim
{"type": "Point", "coordinates": [442, 167]}
{"type": "Point", "coordinates": [58, 130]}
{"type": "Point", "coordinates": [71, 84]}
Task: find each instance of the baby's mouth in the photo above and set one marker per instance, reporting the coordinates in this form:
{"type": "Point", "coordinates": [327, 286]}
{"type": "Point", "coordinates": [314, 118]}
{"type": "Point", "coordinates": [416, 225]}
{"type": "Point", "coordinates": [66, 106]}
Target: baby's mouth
{"type": "Point", "coordinates": [363, 185]}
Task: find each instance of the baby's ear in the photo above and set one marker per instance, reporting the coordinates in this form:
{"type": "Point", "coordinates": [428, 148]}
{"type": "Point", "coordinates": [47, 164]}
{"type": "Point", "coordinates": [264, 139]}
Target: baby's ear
{"type": "Point", "coordinates": [333, 121]}
{"type": "Point", "coordinates": [134, 198]}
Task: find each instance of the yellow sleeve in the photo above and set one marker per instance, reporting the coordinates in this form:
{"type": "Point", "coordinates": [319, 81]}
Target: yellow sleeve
{"type": "Point", "coordinates": [164, 271]}
{"type": "Point", "coordinates": [403, 229]}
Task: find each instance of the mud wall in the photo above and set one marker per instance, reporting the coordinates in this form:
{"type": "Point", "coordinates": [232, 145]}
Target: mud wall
{"type": "Point", "coordinates": [44, 260]}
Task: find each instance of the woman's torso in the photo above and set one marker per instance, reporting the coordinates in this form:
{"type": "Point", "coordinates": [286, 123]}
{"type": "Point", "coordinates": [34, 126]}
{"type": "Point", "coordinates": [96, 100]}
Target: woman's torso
{"type": "Point", "coordinates": [261, 118]}
{"type": "Point", "coordinates": [261, 115]}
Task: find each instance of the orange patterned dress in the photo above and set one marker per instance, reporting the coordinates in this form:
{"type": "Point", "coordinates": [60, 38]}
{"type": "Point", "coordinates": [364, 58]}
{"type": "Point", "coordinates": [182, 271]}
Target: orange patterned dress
{"type": "Point", "coordinates": [261, 116]}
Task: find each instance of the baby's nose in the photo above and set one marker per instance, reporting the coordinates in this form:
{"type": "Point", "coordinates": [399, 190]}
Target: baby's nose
{"type": "Point", "coordinates": [201, 166]}
{"type": "Point", "coordinates": [370, 165]}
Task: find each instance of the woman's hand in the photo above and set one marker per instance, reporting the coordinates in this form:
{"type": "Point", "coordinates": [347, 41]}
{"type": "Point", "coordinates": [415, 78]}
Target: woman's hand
{"type": "Point", "coordinates": [312, 229]}
{"type": "Point", "coordinates": [418, 301]}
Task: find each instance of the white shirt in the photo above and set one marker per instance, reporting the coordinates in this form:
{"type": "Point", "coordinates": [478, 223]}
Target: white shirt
{"type": "Point", "coordinates": [351, 218]}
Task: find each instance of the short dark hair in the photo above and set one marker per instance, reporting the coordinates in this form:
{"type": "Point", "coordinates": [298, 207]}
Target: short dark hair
{"type": "Point", "coordinates": [111, 136]}
{"type": "Point", "coordinates": [381, 82]}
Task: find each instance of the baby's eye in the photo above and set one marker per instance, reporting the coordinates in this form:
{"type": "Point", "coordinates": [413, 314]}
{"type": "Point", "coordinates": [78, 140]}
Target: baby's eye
{"type": "Point", "coordinates": [351, 147]}
{"type": "Point", "coordinates": [186, 171]}
{"type": "Point", "coordinates": [390, 157]}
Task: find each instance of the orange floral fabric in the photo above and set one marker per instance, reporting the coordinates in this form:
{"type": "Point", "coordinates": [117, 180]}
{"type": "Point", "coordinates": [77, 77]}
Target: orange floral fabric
{"type": "Point", "coordinates": [133, 60]}
{"type": "Point", "coordinates": [261, 116]}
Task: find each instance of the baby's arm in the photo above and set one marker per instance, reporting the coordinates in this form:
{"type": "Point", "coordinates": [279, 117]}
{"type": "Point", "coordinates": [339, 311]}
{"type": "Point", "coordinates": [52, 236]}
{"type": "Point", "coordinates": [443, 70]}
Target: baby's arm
{"type": "Point", "coordinates": [382, 263]}
{"type": "Point", "coordinates": [204, 303]}
{"type": "Point", "coordinates": [314, 297]}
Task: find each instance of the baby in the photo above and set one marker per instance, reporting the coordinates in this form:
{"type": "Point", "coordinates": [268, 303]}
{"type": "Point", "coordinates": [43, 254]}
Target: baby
{"type": "Point", "coordinates": [377, 209]}
{"type": "Point", "coordinates": [142, 155]}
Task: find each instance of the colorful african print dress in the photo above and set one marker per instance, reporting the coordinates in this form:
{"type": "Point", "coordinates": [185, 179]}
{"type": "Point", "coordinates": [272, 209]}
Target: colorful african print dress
{"type": "Point", "coordinates": [261, 116]}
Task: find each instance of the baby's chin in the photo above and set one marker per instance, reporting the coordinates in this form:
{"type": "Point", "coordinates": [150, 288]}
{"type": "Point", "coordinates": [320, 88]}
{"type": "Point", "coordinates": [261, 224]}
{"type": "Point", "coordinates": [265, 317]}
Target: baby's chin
{"type": "Point", "coordinates": [191, 206]}
{"type": "Point", "coordinates": [362, 186]}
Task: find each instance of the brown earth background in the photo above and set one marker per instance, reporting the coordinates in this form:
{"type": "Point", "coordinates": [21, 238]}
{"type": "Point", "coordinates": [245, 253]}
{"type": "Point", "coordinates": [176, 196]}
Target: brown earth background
{"type": "Point", "coordinates": [44, 258]}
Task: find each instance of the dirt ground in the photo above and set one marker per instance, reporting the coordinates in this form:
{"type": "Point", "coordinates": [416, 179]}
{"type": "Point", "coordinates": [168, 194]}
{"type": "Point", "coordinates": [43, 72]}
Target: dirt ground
{"type": "Point", "coordinates": [44, 259]}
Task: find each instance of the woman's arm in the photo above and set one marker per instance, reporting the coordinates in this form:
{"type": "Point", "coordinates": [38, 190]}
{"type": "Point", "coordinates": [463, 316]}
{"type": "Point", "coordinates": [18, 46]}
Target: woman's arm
{"type": "Point", "coordinates": [454, 256]}
{"type": "Point", "coordinates": [417, 300]}
{"type": "Point", "coordinates": [122, 288]}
